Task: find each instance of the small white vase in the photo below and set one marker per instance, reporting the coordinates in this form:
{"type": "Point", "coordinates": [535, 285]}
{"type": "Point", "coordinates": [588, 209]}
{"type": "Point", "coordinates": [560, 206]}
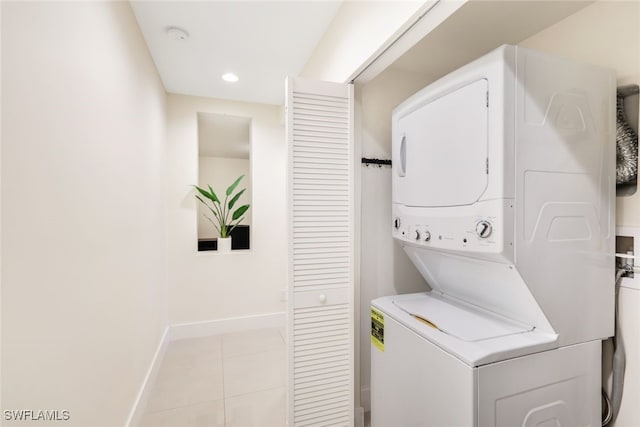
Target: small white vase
{"type": "Point", "coordinates": [224, 245]}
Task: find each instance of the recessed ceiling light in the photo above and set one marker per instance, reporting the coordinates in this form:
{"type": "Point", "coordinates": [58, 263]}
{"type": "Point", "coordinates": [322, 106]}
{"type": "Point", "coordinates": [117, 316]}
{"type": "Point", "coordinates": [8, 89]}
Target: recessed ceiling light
{"type": "Point", "coordinates": [230, 77]}
{"type": "Point", "coordinates": [177, 33]}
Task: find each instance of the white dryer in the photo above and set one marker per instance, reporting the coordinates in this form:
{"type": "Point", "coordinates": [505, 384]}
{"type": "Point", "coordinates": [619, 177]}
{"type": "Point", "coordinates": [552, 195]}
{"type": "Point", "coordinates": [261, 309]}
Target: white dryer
{"type": "Point", "coordinates": [503, 197]}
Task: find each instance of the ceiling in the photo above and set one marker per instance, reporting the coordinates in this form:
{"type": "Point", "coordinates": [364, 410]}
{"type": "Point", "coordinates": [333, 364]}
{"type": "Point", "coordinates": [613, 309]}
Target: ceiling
{"type": "Point", "coordinates": [263, 41]}
{"type": "Point", "coordinates": [479, 27]}
{"type": "Point", "coordinates": [260, 41]}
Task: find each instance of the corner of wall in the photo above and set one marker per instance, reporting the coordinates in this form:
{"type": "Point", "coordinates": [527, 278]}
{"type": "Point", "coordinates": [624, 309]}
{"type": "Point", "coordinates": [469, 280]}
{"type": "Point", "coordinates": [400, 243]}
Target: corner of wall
{"type": "Point", "coordinates": [145, 390]}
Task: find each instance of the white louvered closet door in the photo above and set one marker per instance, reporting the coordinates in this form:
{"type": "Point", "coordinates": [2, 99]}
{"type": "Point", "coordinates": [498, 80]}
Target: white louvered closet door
{"type": "Point", "coordinates": [321, 199]}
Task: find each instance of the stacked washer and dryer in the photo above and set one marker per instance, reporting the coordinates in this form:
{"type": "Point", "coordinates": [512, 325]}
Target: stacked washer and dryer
{"type": "Point", "coordinates": [504, 199]}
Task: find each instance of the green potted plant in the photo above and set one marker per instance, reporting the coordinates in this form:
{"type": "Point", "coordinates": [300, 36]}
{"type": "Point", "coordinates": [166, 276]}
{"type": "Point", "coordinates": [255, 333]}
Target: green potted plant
{"type": "Point", "coordinates": [223, 219]}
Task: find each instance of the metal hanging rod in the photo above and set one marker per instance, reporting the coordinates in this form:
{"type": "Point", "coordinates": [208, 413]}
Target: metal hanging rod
{"type": "Point", "coordinates": [379, 162]}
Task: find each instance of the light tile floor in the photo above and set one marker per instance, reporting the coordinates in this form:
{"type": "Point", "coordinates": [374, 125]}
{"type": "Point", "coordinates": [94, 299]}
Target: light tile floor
{"type": "Point", "coordinates": [229, 380]}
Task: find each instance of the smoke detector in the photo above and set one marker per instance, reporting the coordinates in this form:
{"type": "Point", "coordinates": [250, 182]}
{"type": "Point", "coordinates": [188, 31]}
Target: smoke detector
{"type": "Point", "coordinates": [177, 33]}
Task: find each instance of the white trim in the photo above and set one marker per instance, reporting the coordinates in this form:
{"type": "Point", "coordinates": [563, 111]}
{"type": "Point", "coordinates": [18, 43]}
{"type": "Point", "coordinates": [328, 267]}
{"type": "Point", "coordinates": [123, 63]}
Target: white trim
{"type": "Point", "coordinates": [145, 389]}
{"type": "Point", "coordinates": [225, 326]}
{"type": "Point", "coordinates": [431, 14]}
{"type": "Point", "coordinates": [288, 123]}
{"type": "Point", "coordinates": [359, 417]}
{"type": "Point", "coordinates": [357, 236]}
{"type": "Point", "coordinates": [365, 400]}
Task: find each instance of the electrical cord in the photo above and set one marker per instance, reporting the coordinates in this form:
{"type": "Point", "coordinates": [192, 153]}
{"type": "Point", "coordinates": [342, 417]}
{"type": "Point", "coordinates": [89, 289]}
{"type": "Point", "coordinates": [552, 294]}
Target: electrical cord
{"type": "Point", "coordinates": [606, 417]}
{"type": "Point", "coordinates": [619, 362]}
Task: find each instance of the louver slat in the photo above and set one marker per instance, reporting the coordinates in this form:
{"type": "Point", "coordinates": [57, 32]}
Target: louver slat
{"type": "Point", "coordinates": [319, 123]}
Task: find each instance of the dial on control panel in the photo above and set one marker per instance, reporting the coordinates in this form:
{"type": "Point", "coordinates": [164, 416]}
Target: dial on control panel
{"type": "Point", "coordinates": [483, 229]}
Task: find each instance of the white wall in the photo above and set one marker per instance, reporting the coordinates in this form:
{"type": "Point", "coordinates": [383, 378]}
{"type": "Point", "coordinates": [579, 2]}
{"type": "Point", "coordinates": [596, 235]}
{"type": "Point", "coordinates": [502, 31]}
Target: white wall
{"type": "Point", "coordinates": [211, 286]}
{"type": "Point", "coordinates": [608, 34]}
{"type": "Point", "coordinates": [358, 31]}
{"type": "Point", "coordinates": [384, 267]}
{"type": "Point", "coordinates": [84, 221]}
{"type": "Point", "coordinates": [220, 172]}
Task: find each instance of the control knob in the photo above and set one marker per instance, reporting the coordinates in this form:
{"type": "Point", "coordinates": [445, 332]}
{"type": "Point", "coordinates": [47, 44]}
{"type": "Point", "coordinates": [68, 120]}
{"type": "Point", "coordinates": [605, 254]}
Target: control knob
{"type": "Point", "coordinates": [417, 235]}
{"type": "Point", "coordinates": [483, 229]}
{"type": "Point", "coordinates": [427, 236]}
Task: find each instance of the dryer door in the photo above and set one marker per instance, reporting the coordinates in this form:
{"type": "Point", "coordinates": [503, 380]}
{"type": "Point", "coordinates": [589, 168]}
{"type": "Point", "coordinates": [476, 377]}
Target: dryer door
{"type": "Point", "coordinates": [440, 149]}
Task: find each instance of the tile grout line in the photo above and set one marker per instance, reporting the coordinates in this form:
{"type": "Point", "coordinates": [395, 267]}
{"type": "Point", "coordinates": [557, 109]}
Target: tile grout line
{"type": "Point", "coordinates": [199, 402]}
{"type": "Point", "coordinates": [255, 392]}
{"type": "Point", "coordinates": [181, 406]}
{"type": "Point", "coordinates": [225, 398]}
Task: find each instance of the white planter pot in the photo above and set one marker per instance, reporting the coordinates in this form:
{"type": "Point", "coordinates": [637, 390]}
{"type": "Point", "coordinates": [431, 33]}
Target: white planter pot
{"type": "Point", "coordinates": [224, 245]}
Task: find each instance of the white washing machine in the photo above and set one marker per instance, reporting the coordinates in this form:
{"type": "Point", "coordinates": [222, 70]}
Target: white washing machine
{"type": "Point", "coordinates": [503, 198]}
{"type": "Point", "coordinates": [443, 373]}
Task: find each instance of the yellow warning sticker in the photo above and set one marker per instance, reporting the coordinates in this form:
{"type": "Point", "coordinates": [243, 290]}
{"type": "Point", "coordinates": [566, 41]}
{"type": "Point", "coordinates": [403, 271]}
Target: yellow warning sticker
{"type": "Point", "coordinates": [377, 329]}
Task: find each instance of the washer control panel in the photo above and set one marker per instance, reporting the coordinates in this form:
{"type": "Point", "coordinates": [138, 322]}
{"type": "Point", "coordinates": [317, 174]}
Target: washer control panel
{"type": "Point", "coordinates": [467, 229]}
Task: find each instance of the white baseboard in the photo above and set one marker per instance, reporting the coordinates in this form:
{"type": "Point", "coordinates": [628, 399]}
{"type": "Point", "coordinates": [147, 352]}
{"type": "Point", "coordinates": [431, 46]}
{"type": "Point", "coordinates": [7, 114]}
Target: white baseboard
{"type": "Point", "coordinates": [143, 394]}
{"type": "Point", "coordinates": [225, 326]}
